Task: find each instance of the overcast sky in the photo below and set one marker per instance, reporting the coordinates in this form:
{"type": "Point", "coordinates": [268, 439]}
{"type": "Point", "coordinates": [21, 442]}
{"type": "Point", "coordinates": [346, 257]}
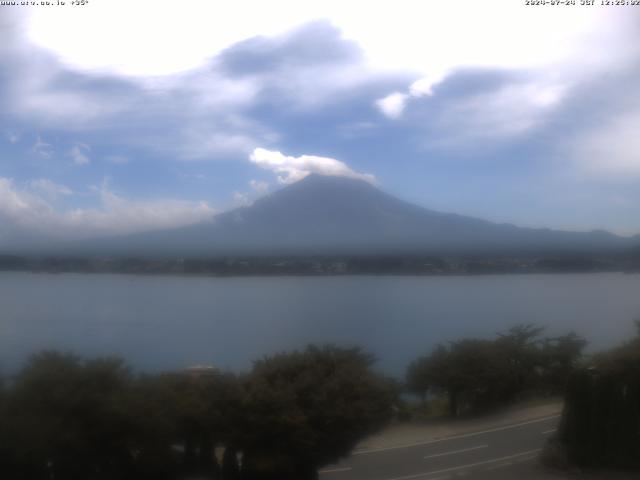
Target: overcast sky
{"type": "Point", "coordinates": [129, 115]}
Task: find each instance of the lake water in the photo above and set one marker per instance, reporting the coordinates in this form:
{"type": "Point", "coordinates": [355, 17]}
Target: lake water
{"type": "Point", "coordinates": [165, 322]}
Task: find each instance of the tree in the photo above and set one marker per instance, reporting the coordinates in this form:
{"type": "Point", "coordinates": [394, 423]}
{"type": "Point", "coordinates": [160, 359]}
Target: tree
{"type": "Point", "coordinates": [476, 374]}
{"type": "Point", "coordinates": [152, 407]}
{"type": "Point", "coordinates": [559, 358]}
{"type": "Point", "coordinates": [306, 409]}
{"type": "Point", "coordinates": [470, 372]}
{"type": "Point", "coordinates": [230, 467]}
{"type": "Point", "coordinates": [69, 419]}
{"type": "Point", "coordinates": [428, 373]}
{"type": "Point", "coordinates": [208, 413]}
{"type": "Point", "coordinates": [475, 377]}
{"type": "Point", "coordinates": [521, 348]}
{"type": "Point", "coordinates": [5, 437]}
{"type": "Point", "coordinates": [600, 425]}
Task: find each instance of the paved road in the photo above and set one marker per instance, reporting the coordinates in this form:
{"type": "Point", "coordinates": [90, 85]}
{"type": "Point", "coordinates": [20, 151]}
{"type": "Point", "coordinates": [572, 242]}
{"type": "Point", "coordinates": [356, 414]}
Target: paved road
{"type": "Point", "coordinates": [501, 453]}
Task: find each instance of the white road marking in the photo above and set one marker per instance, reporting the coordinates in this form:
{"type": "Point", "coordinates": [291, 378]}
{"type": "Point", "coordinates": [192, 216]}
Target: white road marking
{"type": "Point", "coordinates": [513, 462]}
{"type": "Point", "coordinates": [455, 437]}
{"type": "Point", "coordinates": [463, 467]}
{"type": "Point", "coordinates": [334, 470]}
{"type": "Point", "coordinates": [453, 452]}
{"type": "Point", "coordinates": [547, 432]}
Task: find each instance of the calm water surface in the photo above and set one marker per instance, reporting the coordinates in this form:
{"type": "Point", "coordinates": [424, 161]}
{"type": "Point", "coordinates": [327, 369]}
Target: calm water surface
{"type": "Point", "coordinates": [163, 322]}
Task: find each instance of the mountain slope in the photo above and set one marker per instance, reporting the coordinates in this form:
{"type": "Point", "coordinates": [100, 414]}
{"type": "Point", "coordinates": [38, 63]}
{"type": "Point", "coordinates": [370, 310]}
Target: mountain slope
{"type": "Point", "coordinates": [336, 215]}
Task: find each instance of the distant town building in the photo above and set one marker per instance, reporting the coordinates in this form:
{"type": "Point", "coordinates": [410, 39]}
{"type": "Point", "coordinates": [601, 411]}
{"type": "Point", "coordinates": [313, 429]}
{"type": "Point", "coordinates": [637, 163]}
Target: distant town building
{"type": "Point", "coordinates": [201, 371]}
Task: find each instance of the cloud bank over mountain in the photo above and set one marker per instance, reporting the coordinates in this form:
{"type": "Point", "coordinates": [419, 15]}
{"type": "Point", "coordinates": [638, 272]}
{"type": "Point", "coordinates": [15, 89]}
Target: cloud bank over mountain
{"type": "Point", "coordinates": [491, 109]}
{"type": "Point", "coordinates": [28, 213]}
{"type": "Point", "coordinates": [293, 169]}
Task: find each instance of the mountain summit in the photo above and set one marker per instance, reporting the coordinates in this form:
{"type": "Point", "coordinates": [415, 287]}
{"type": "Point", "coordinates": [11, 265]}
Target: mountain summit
{"type": "Point", "coordinates": [337, 215]}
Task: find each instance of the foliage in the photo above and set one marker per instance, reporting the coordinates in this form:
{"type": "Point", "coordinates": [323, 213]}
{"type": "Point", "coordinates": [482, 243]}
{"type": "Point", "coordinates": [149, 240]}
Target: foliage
{"type": "Point", "coordinates": [69, 418]}
{"type": "Point", "coordinates": [480, 374]}
{"type": "Point", "coordinates": [601, 421]}
{"type": "Point", "coordinates": [306, 409]}
{"type": "Point", "coordinates": [560, 357]}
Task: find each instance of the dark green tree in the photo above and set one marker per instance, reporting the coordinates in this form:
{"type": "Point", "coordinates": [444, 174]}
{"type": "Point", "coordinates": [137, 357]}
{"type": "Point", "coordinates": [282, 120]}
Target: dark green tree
{"type": "Point", "coordinates": [471, 373]}
{"type": "Point", "coordinates": [477, 375]}
{"type": "Point", "coordinates": [230, 466]}
{"type": "Point", "coordinates": [559, 357]}
{"type": "Point", "coordinates": [208, 412]}
{"type": "Point", "coordinates": [152, 407]}
{"type": "Point", "coordinates": [428, 374]}
{"type": "Point", "coordinates": [69, 419]}
{"type": "Point", "coordinates": [600, 426]}
{"type": "Point", "coordinates": [307, 409]}
{"type": "Point", "coordinates": [520, 346]}
{"type": "Point", "coordinates": [5, 437]}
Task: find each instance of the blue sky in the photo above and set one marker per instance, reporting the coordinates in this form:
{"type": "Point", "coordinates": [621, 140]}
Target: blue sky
{"type": "Point", "coordinates": [119, 117]}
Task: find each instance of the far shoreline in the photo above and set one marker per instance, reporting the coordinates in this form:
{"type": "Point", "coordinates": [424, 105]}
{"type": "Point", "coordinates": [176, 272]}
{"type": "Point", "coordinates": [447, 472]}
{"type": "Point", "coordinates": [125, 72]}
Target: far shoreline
{"type": "Point", "coordinates": [410, 265]}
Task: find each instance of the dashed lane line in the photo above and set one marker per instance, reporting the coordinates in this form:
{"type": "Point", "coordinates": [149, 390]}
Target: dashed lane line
{"type": "Point", "coordinates": [453, 452]}
{"type": "Point", "coordinates": [513, 462]}
{"type": "Point", "coordinates": [467, 466]}
{"type": "Point", "coordinates": [334, 470]}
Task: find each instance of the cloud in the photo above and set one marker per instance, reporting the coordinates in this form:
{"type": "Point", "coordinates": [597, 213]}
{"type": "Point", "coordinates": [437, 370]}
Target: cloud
{"type": "Point", "coordinates": [311, 65]}
{"type": "Point", "coordinates": [420, 37]}
{"type": "Point", "coordinates": [200, 143]}
{"type": "Point", "coordinates": [244, 199]}
{"type": "Point", "coordinates": [425, 85]}
{"type": "Point", "coordinates": [37, 87]}
{"type": "Point", "coordinates": [12, 137]}
{"type": "Point", "coordinates": [210, 111]}
{"type": "Point", "coordinates": [611, 150]}
{"type": "Point", "coordinates": [573, 51]}
{"type": "Point", "coordinates": [225, 84]}
{"type": "Point", "coordinates": [393, 104]}
{"type": "Point", "coordinates": [79, 154]}
{"type": "Point", "coordinates": [309, 55]}
{"type": "Point", "coordinates": [206, 111]}
{"type": "Point", "coordinates": [20, 208]}
{"type": "Point", "coordinates": [25, 213]}
{"type": "Point", "coordinates": [201, 30]}
{"type": "Point", "coordinates": [50, 189]}
{"type": "Point", "coordinates": [508, 110]}
{"type": "Point", "coordinates": [195, 115]}
{"type": "Point", "coordinates": [240, 199]}
{"type": "Point", "coordinates": [311, 45]}
{"type": "Point", "coordinates": [120, 215]}
{"type": "Point", "coordinates": [259, 186]}
{"type": "Point", "coordinates": [292, 169]}
{"type": "Point", "coordinates": [42, 148]}
{"type": "Point", "coordinates": [476, 105]}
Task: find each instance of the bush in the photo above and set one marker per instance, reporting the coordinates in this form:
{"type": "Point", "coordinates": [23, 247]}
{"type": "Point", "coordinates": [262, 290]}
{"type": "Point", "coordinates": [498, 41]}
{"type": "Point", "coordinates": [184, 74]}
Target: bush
{"type": "Point", "coordinates": [69, 418]}
{"type": "Point", "coordinates": [306, 409]}
{"type": "Point", "coordinates": [478, 375]}
{"type": "Point", "coordinates": [601, 421]}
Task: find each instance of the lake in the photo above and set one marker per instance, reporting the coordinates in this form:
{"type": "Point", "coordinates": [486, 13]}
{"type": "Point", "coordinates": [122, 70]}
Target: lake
{"type": "Point", "coordinates": [168, 322]}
